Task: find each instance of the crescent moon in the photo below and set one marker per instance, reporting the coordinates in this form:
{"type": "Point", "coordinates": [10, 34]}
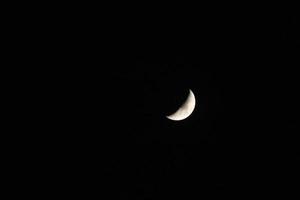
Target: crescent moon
{"type": "Point", "coordinates": [185, 109]}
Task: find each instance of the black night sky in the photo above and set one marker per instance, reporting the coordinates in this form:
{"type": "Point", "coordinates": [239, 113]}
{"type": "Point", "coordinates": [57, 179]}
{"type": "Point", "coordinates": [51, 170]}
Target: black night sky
{"type": "Point", "coordinates": [240, 138]}
{"type": "Point", "coordinates": [239, 141]}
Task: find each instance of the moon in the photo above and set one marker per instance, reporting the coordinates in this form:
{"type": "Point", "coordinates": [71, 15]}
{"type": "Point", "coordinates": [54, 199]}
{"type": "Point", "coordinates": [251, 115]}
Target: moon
{"type": "Point", "coordinates": [185, 110]}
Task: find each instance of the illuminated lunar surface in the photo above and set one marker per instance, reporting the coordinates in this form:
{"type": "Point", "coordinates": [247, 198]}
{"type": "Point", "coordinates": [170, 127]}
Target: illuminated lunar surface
{"type": "Point", "coordinates": [185, 110]}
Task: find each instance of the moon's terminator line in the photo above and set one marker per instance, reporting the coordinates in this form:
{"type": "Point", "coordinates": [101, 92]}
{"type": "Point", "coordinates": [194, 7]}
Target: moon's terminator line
{"type": "Point", "coordinates": [185, 110]}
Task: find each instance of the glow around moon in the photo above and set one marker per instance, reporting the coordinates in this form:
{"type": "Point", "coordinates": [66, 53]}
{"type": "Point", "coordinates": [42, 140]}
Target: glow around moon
{"type": "Point", "coordinates": [185, 109]}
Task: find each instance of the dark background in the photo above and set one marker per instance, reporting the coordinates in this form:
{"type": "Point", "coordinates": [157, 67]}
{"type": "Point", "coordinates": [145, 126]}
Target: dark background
{"type": "Point", "coordinates": [241, 139]}
{"type": "Point", "coordinates": [119, 75]}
